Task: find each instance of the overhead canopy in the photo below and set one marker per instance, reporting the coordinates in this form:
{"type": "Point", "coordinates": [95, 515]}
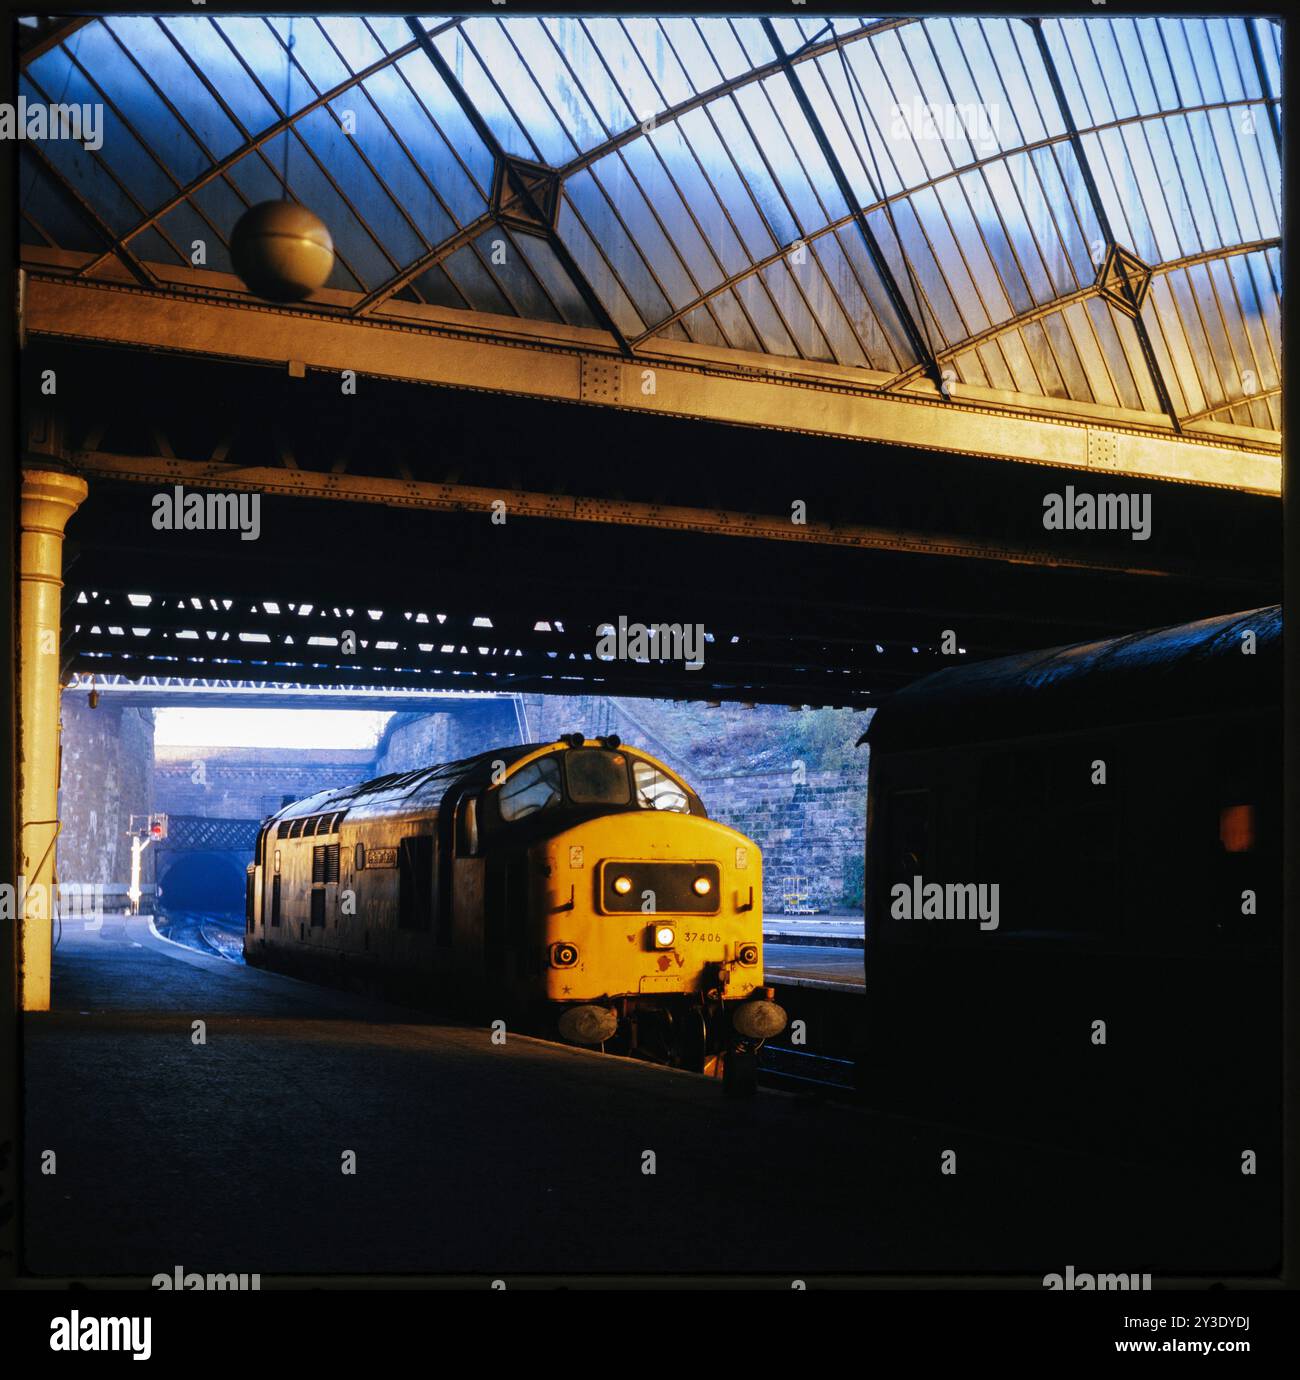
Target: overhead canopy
{"type": "Point", "coordinates": [1045, 215]}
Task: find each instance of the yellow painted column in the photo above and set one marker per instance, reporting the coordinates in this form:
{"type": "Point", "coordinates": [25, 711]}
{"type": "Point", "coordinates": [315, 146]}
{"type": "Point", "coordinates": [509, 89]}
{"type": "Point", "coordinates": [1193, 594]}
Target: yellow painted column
{"type": "Point", "coordinates": [49, 499]}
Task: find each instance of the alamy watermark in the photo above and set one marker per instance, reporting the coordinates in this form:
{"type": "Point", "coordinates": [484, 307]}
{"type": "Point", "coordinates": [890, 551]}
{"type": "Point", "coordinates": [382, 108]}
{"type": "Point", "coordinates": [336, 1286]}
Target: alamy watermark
{"type": "Point", "coordinates": [656, 642]}
{"type": "Point", "coordinates": [208, 512]}
{"type": "Point", "coordinates": [178, 1279]}
{"type": "Point", "coordinates": [922, 900]}
{"type": "Point", "coordinates": [71, 901]}
{"type": "Point", "coordinates": [1085, 1281]}
{"type": "Point", "coordinates": [1084, 512]}
{"type": "Point", "coordinates": [974, 121]}
{"type": "Point", "coordinates": [77, 1333]}
{"type": "Point", "coordinates": [38, 120]}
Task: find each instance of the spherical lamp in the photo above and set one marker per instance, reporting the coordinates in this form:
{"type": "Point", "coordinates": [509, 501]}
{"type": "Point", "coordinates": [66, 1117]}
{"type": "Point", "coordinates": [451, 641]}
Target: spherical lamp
{"type": "Point", "coordinates": [282, 251]}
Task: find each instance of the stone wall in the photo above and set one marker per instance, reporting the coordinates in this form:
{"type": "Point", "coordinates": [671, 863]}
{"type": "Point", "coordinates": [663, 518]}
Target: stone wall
{"type": "Point", "coordinates": [106, 776]}
{"type": "Point", "coordinates": [424, 740]}
{"type": "Point", "coordinates": [251, 782]}
{"type": "Point", "coordinates": [811, 831]}
{"type": "Point", "coordinates": [808, 818]}
{"type": "Point", "coordinates": [792, 782]}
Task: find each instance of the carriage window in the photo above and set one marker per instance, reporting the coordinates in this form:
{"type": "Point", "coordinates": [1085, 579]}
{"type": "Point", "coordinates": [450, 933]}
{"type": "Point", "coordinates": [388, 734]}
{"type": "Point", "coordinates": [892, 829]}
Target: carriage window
{"type": "Point", "coordinates": [531, 788]}
{"type": "Point", "coordinates": [596, 776]}
{"type": "Point", "coordinates": [657, 791]}
{"type": "Point", "coordinates": [909, 835]}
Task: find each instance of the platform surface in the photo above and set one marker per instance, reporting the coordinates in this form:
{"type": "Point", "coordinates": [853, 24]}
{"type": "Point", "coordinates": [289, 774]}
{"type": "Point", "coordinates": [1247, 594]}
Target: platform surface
{"type": "Point", "coordinates": [818, 963]}
{"type": "Point", "coordinates": [527, 1157]}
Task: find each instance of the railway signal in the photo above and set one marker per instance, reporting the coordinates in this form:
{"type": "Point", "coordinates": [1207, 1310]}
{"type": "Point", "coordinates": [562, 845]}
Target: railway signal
{"type": "Point", "coordinates": [152, 829]}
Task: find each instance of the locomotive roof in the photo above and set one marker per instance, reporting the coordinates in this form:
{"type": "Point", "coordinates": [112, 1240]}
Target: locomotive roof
{"type": "Point", "coordinates": [1169, 672]}
{"type": "Point", "coordinates": [404, 792]}
{"type": "Point", "coordinates": [423, 789]}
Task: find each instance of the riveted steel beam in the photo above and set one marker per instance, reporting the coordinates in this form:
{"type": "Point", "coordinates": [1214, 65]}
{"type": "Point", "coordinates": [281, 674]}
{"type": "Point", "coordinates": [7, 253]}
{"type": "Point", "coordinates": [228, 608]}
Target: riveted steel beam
{"type": "Point", "coordinates": [426, 345]}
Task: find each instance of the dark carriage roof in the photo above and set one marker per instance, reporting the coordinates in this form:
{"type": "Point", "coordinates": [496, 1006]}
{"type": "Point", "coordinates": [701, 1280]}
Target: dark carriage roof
{"type": "Point", "coordinates": [408, 790]}
{"type": "Point", "coordinates": [1166, 673]}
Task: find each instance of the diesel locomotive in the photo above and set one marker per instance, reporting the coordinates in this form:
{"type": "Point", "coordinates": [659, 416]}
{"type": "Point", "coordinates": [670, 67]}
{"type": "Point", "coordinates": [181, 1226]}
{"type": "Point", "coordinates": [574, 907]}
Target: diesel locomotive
{"type": "Point", "coordinates": [574, 888]}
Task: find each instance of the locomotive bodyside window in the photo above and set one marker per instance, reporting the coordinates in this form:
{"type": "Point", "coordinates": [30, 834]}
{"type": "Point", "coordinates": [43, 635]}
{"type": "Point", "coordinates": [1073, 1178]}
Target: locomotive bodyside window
{"type": "Point", "coordinates": [275, 900]}
{"type": "Point", "coordinates": [468, 818]}
{"type": "Point", "coordinates": [534, 787]}
{"type": "Point", "coordinates": [415, 883]}
{"type": "Point", "coordinates": [657, 791]}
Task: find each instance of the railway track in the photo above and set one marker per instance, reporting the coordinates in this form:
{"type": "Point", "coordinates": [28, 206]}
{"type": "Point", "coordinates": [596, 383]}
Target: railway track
{"type": "Point", "coordinates": [204, 933]}
{"type": "Point", "coordinates": [798, 1070]}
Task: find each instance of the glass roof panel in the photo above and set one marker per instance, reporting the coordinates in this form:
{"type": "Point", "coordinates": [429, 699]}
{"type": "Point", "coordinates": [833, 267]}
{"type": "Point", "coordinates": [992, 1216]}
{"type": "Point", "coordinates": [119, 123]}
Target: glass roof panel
{"type": "Point", "coordinates": [892, 194]}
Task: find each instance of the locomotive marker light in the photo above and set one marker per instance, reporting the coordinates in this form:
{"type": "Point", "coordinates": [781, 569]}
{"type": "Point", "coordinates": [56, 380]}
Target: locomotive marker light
{"type": "Point", "coordinates": [622, 885]}
{"type": "Point", "coordinates": [564, 955]}
{"type": "Point", "coordinates": [701, 886]}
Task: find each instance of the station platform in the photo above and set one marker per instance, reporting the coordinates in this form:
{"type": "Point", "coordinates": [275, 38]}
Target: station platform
{"type": "Point", "coordinates": [832, 931]}
{"type": "Point", "coordinates": [807, 965]}
{"type": "Point", "coordinates": [529, 1157]}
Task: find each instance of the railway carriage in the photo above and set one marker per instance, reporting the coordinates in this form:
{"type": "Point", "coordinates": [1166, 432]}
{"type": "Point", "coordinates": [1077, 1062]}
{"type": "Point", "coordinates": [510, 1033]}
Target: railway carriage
{"type": "Point", "coordinates": [575, 888]}
{"type": "Point", "coordinates": [1124, 799]}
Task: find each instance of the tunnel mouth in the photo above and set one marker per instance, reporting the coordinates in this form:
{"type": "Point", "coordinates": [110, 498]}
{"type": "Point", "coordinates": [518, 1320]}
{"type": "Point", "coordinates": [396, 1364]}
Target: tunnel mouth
{"type": "Point", "coordinates": [205, 882]}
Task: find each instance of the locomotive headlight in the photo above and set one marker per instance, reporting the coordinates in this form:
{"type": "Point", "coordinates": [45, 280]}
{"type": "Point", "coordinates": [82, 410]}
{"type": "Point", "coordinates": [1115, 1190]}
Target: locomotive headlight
{"type": "Point", "coordinates": [664, 937]}
{"type": "Point", "coordinates": [622, 885]}
{"type": "Point", "coordinates": [701, 886]}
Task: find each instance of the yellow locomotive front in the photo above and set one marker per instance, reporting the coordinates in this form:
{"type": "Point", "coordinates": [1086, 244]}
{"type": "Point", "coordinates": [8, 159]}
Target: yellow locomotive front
{"type": "Point", "coordinates": [645, 916]}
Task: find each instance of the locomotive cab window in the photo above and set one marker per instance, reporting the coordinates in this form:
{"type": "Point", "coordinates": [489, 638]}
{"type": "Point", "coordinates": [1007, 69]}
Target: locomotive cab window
{"type": "Point", "coordinates": [657, 791]}
{"type": "Point", "coordinates": [531, 788]}
{"type": "Point", "coordinates": [596, 776]}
